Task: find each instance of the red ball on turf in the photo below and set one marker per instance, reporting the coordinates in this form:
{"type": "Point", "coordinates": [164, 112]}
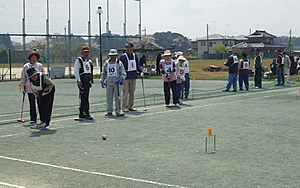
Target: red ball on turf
{"type": "Point", "coordinates": [104, 137]}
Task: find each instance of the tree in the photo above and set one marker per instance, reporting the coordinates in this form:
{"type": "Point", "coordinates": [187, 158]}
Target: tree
{"type": "Point", "coordinates": [219, 48]}
{"type": "Point", "coordinates": [169, 39]}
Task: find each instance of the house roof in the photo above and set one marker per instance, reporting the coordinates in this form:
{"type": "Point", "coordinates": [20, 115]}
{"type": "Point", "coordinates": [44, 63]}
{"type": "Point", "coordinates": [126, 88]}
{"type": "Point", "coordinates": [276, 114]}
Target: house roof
{"type": "Point", "coordinates": [260, 33]}
{"type": "Point", "coordinates": [240, 37]}
{"type": "Point", "coordinates": [216, 37]}
{"type": "Point", "coordinates": [257, 45]}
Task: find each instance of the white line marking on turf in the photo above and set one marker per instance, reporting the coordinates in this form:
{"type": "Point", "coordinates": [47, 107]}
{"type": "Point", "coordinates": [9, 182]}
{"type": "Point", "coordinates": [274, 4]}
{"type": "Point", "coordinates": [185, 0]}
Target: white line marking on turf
{"type": "Point", "coordinates": [10, 185]}
{"type": "Point", "coordinates": [10, 135]}
{"type": "Point", "coordinates": [90, 172]}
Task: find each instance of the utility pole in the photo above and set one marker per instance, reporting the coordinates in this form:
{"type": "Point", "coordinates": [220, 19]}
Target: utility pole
{"type": "Point", "coordinates": [207, 38]}
{"type": "Point", "coordinates": [290, 42]}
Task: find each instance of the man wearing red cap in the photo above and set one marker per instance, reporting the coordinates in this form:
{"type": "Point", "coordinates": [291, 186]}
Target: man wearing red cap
{"type": "Point", "coordinates": [84, 74]}
{"type": "Point", "coordinates": [33, 57]}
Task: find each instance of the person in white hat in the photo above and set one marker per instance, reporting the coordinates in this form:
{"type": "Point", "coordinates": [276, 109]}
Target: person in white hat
{"type": "Point", "coordinates": [113, 73]}
{"type": "Point", "coordinates": [180, 72]}
{"type": "Point", "coordinates": [168, 69]}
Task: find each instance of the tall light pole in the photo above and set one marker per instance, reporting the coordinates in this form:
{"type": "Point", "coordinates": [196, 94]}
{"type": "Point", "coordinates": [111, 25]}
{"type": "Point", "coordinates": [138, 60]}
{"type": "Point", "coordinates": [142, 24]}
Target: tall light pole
{"type": "Point", "coordinates": [99, 11]}
{"type": "Point", "coordinates": [69, 40]}
{"type": "Point", "coordinates": [24, 35]}
{"type": "Point", "coordinates": [107, 26]}
{"type": "Point", "coordinates": [89, 26]}
{"type": "Point", "coordinates": [124, 29]}
{"type": "Point", "coordinates": [47, 37]}
{"type": "Point", "coordinates": [140, 23]}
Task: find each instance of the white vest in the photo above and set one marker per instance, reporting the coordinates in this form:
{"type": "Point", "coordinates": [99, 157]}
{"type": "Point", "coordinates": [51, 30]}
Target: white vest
{"type": "Point", "coordinates": [245, 65]}
{"type": "Point", "coordinates": [131, 63]}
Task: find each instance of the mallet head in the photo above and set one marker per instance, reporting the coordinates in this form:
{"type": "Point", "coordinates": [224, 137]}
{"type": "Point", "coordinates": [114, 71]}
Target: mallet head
{"type": "Point", "coordinates": [21, 120]}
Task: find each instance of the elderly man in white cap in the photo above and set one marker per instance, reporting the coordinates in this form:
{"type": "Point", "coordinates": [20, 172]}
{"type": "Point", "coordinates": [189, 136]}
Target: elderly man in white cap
{"type": "Point", "coordinates": [113, 73]}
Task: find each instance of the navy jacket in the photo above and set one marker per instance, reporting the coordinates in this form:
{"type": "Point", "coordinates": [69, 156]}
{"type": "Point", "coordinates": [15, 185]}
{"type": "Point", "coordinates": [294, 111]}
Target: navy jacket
{"type": "Point", "coordinates": [130, 74]}
{"type": "Point", "coordinates": [232, 64]}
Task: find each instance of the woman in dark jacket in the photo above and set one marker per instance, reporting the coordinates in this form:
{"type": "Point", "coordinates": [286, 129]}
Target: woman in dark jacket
{"type": "Point", "coordinates": [43, 89]}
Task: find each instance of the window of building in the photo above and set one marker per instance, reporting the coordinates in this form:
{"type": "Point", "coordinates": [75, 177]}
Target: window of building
{"type": "Point", "coordinates": [203, 44]}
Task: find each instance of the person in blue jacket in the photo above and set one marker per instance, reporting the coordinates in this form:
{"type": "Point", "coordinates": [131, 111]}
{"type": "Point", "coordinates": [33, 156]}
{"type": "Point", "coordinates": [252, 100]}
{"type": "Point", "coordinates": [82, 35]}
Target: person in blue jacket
{"type": "Point", "coordinates": [232, 63]}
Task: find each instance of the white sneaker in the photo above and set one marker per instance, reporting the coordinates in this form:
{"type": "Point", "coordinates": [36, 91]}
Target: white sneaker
{"type": "Point", "coordinates": [41, 125]}
{"type": "Point", "coordinates": [177, 104]}
{"type": "Point", "coordinates": [46, 127]}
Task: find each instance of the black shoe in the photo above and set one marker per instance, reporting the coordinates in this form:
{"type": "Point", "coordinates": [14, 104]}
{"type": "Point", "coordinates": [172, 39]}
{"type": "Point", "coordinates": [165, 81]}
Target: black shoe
{"type": "Point", "coordinates": [89, 117]}
{"type": "Point", "coordinates": [109, 114]}
{"type": "Point", "coordinates": [234, 90]}
{"type": "Point", "coordinates": [120, 114]}
{"type": "Point", "coordinates": [225, 90]}
{"type": "Point", "coordinates": [82, 116]}
{"type": "Point", "coordinates": [241, 89]}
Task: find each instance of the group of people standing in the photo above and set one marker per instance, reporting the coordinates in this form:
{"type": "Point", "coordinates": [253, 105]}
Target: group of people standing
{"type": "Point", "coordinates": [118, 74]}
{"type": "Point", "coordinates": [281, 66]}
{"type": "Point", "coordinates": [176, 77]}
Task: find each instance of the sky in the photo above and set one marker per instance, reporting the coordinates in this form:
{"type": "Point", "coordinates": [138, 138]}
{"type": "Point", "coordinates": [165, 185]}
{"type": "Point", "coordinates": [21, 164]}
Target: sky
{"type": "Point", "coordinates": [187, 17]}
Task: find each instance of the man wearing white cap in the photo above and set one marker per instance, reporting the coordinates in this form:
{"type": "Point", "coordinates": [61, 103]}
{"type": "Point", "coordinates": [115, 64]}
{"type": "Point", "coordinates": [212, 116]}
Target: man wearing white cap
{"type": "Point", "coordinates": [113, 73]}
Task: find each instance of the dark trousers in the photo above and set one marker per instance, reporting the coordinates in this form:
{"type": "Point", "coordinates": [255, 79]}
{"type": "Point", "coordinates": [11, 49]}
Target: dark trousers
{"type": "Point", "coordinates": [186, 86]}
{"type": "Point", "coordinates": [257, 77]}
{"type": "Point", "coordinates": [84, 93]}
{"type": "Point", "coordinates": [32, 102]}
{"type": "Point", "coordinates": [171, 85]}
{"type": "Point", "coordinates": [179, 86]}
{"type": "Point", "coordinates": [245, 79]}
{"type": "Point", "coordinates": [280, 74]}
{"type": "Point", "coordinates": [186, 83]}
{"type": "Point", "coordinates": [45, 104]}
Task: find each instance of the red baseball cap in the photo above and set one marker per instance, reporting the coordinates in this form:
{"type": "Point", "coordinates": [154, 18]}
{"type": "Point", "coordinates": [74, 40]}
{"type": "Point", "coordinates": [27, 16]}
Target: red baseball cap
{"type": "Point", "coordinates": [85, 49]}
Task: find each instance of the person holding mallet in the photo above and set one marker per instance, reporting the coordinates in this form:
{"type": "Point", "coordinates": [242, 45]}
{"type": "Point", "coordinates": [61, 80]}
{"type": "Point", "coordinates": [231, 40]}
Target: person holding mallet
{"type": "Point", "coordinates": [43, 88]}
{"type": "Point", "coordinates": [33, 57]}
{"type": "Point", "coordinates": [113, 73]}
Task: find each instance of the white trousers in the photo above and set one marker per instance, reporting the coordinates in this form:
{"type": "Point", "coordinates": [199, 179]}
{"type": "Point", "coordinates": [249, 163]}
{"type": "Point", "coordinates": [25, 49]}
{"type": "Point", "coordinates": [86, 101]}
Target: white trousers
{"type": "Point", "coordinates": [287, 72]}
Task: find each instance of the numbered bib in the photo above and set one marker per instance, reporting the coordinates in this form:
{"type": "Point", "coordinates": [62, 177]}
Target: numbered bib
{"type": "Point", "coordinates": [86, 67]}
{"type": "Point", "coordinates": [181, 70]}
{"type": "Point", "coordinates": [111, 70]}
{"type": "Point", "coordinates": [245, 65]}
{"type": "Point", "coordinates": [131, 63]}
{"type": "Point", "coordinates": [169, 68]}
